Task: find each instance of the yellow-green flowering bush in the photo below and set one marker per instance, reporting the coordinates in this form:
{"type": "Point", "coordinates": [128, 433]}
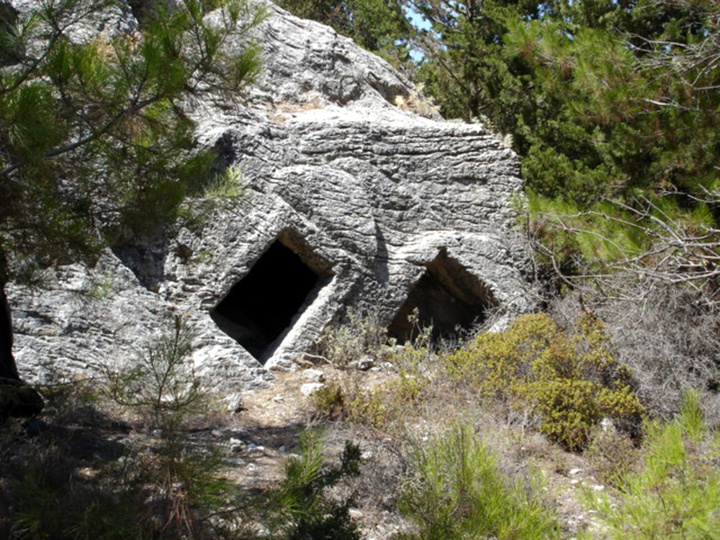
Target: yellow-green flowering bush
{"type": "Point", "coordinates": [570, 379]}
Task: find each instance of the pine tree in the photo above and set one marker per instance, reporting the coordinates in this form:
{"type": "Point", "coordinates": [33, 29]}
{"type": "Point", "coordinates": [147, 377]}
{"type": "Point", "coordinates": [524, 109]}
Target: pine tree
{"type": "Point", "coordinates": [93, 138]}
{"type": "Point", "coordinates": [601, 98]}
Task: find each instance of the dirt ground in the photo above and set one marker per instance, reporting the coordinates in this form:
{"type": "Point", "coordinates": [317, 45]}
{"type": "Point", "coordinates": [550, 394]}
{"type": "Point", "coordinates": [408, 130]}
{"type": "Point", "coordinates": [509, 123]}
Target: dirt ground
{"type": "Point", "coordinates": [265, 433]}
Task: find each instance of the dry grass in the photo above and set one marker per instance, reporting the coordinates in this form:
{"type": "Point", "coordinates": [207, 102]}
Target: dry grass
{"type": "Point", "coordinates": [418, 103]}
{"type": "Point", "coordinates": [669, 340]}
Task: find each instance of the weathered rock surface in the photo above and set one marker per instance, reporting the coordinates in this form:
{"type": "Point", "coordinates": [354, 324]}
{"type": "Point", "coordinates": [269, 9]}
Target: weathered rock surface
{"type": "Point", "coordinates": [350, 201]}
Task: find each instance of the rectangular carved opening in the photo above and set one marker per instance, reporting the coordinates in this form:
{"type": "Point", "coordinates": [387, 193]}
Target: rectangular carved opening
{"type": "Point", "coordinates": [446, 297]}
{"type": "Point", "coordinates": [263, 304]}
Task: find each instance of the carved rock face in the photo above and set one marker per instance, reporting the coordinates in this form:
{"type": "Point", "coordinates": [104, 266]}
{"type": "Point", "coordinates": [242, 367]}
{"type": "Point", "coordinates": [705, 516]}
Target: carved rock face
{"type": "Point", "coordinates": [350, 201]}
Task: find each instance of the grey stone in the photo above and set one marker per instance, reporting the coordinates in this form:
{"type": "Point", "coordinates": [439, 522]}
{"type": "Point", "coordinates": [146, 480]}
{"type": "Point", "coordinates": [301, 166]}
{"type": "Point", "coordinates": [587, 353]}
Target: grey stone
{"type": "Point", "coordinates": [236, 445]}
{"type": "Point", "coordinates": [314, 375]}
{"type": "Point", "coordinates": [378, 207]}
{"type": "Point", "coordinates": [308, 389]}
{"type": "Point", "coordinates": [234, 402]}
{"type": "Point", "coordinates": [365, 363]}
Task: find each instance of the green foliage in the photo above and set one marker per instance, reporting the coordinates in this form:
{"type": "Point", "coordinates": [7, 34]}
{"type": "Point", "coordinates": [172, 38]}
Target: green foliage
{"type": "Point", "coordinates": [300, 508]}
{"type": "Point", "coordinates": [92, 135]}
{"type": "Point", "coordinates": [570, 379]}
{"type": "Point", "coordinates": [601, 98]}
{"type": "Point", "coordinates": [379, 407]}
{"type": "Point", "coordinates": [221, 191]}
{"type": "Point", "coordinates": [457, 490]}
{"type": "Point", "coordinates": [165, 487]}
{"type": "Point", "coordinates": [359, 336]}
{"type": "Point", "coordinates": [676, 493]}
{"type": "Point", "coordinates": [225, 186]}
{"type": "Point", "coordinates": [182, 482]}
{"type": "Point", "coordinates": [587, 240]}
{"type": "Point", "coordinates": [611, 453]}
{"type": "Point", "coordinates": [162, 386]}
{"type": "Point", "coordinates": [389, 402]}
{"type": "Point", "coordinates": [56, 502]}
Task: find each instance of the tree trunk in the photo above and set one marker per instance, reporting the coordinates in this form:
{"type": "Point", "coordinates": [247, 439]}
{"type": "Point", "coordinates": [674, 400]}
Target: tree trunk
{"type": "Point", "coordinates": [17, 399]}
{"type": "Point", "coordinates": [8, 369]}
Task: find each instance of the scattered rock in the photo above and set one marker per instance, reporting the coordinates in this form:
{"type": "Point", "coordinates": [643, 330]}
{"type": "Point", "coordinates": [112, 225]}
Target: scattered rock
{"type": "Point", "coordinates": [236, 445]}
{"type": "Point", "coordinates": [234, 403]}
{"type": "Point", "coordinates": [255, 448]}
{"type": "Point", "coordinates": [309, 389]}
{"type": "Point", "coordinates": [314, 375]}
{"type": "Point", "coordinates": [363, 364]}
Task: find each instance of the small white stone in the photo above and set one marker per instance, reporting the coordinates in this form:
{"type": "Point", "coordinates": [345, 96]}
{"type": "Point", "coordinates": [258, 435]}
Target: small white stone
{"type": "Point", "coordinates": [598, 488]}
{"type": "Point", "coordinates": [573, 472]}
{"type": "Point", "coordinates": [314, 375]}
{"type": "Point", "coordinates": [234, 402]}
{"type": "Point", "coordinates": [355, 513]}
{"type": "Point", "coordinates": [236, 445]}
{"type": "Point", "coordinates": [309, 389]}
{"type": "Point", "coordinates": [365, 363]}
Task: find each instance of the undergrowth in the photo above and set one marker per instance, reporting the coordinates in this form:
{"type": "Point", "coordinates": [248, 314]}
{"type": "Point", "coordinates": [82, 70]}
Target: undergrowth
{"type": "Point", "coordinates": [570, 379]}
{"type": "Point", "coordinates": [299, 509]}
{"type": "Point", "coordinates": [77, 479]}
{"type": "Point", "coordinates": [675, 493]}
{"type": "Point", "coordinates": [456, 490]}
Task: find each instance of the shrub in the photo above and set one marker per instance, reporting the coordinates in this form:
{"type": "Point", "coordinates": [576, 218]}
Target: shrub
{"type": "Point", "coordinates": [676, 493]}
{"type": "Point", "coordinates": [349, 342]}
{"type": "Point", "coordinates": [378, 407]}
{"type": "Point", "coordinates": [329, 401]}
{"type": "Point", "coordinates": [53, 500]}
{"type": "Point", "coordinates": [162, 387]}
{"type": "Point", "coordinates": [300, 509]}
{"type": "Point", "coordinates": [456, 490]}
{"type": "Point", "coordinates": [570, 379]}
{"type": "Point", "coordinates": [182, 482]}
{"type": "Point", "coordinates": [666, 336]}
{"type": "Point", "coordinates": [612, 454]}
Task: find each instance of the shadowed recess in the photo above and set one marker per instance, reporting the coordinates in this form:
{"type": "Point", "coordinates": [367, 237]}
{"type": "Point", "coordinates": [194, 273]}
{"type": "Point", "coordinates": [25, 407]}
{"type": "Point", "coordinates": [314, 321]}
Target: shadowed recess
{"type": "Point", "coordinates": [447, 297]}
{"type": "Point", "coordinates": [261, 306]}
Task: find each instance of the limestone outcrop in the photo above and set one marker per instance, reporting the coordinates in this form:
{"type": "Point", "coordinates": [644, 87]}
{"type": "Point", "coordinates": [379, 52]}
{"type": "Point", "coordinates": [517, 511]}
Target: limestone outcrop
{"type": "Point", "coordinates": [351, 199]}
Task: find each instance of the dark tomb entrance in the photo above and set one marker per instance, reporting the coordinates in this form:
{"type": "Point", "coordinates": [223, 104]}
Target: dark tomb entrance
{"type": "Point", "coordinates": [447, 297]}
{"type": "Point", "coordinates": [261, 306]}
